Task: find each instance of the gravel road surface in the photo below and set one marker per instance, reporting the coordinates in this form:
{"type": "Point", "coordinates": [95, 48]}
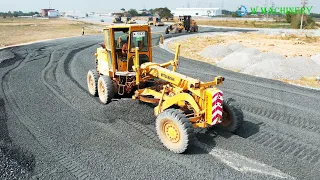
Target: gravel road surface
{"type": "Point", "coordinates": [51, 128]}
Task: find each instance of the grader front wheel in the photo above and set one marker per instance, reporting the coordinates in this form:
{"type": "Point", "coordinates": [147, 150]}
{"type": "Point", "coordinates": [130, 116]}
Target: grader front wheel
{"type": "Point", "coordinates": [92, 82]}
{"type": "Point", "coordinates": [105, 89]}
{"type": "Point", "coordinates": [174, 130]}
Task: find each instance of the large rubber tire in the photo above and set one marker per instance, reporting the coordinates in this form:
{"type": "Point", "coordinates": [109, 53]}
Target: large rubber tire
{"type": "Point", "coordinates": [92, 82]}
{"type": "Point", "coordinates": [105, 89]}
{"type": "Point", "coordinates": [173, 121]}
{"type": "Point", "coordinates": [232, 116]}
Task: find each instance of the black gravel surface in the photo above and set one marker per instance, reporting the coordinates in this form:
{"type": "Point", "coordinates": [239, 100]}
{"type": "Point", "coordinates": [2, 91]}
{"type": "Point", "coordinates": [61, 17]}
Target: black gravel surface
{"type": "Point", "coordinates": [51, 128]}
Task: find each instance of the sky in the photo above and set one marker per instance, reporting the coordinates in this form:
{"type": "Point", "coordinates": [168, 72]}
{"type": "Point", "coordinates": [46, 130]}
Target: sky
{"type": "Point", "coordinates": [102, 6]}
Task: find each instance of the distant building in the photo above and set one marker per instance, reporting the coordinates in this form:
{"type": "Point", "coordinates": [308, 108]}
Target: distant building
{"type": "Point", "coordinates": [44, 12]}
{"type": "Point", "coordinates": [53, 13]}
{"type": "Point", "coordinates": [197, 11]}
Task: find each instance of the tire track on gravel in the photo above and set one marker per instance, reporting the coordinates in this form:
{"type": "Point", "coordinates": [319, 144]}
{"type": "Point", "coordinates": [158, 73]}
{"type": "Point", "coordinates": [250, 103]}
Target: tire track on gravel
{"type": "Point", "coordinates": [43, 138]}
{"type": "Point", "coordinates": [271, 136]}
{"type": "Point", "coordinates": [296, 121]}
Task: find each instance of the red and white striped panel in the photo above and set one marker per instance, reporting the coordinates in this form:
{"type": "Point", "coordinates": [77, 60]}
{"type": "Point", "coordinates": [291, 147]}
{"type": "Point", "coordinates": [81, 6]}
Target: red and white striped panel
{"type": "Point", "coordinates": [217, 108]}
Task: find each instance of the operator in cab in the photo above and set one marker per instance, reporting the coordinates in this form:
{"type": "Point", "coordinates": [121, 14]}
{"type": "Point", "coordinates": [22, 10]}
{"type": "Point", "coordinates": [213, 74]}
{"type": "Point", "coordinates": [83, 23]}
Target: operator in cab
{"type": "Point", "coordinates": [125, 48]}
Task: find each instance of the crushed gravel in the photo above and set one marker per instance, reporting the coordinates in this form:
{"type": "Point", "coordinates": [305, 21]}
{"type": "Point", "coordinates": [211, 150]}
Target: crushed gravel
{"type": "Point", "coordinates": [235, 47]}
{"type": "Point", "coordinates": [262, 64]}
{"type": "Point", "coordinates": [316, 58]}
{"type": "Point", "coordinates": [215, 52]}
{"type": "Point", "coordinates": [239, 60]}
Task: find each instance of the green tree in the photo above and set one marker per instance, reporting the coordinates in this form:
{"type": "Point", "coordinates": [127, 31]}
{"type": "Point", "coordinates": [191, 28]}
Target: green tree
{"type": "Point", "coordinates": [151, 11]}
{"type": "Point", "coordinates": [133, 12]}
{"type": "Point", "coordinates": [308, 22]}
{"type": "Point", "coordinates": [9, 14]}
{"type": "Point", "coordinates": [288, 17]}
{"type": "Point", "coordinates": [123, 9]}
{"type": "Point", "coordinates": [163, 12]}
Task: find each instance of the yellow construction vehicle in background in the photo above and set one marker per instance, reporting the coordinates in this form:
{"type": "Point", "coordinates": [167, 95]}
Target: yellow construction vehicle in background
{"type": "Point", "coordinates": [156, 21]}
{"type": "Point", "coordinates": [150, 21]}
{"type": "Point", "coordinates": [117, 19]}
{"type": "Point", "coordinates": [185, 23]}
{"type": "Point", "coordinates": [182, 103]}
{"type": "Point", "coordinates": [130, 21]}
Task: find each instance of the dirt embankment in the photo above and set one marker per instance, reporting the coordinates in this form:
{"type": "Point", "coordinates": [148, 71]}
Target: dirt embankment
{"type": "Point", "coordinates": [22, 30]}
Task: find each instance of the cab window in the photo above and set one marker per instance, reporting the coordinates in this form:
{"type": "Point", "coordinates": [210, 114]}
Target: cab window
{"type": "Point", "coordinates": [120, 38]}
{"type": "Point", "coordinates": [139, 39]}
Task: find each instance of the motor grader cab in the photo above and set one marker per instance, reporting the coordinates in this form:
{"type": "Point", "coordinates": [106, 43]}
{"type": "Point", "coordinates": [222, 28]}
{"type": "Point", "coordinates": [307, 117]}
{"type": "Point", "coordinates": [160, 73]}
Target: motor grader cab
{"type": "Point", "coordinates": [181, 103]}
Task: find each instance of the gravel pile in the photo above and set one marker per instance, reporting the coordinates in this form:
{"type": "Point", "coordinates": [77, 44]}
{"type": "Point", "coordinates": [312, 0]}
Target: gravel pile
{"type": "Point", "coordinates": [316, 58]}
{"type": "Point", "coordinates": [215, 52]}
{"type": "Point", "coordinates": [266, 64]}
{"type": "Point", "coordinates": [240, 59]}
{"type": "Point", "coordinates": [280, 68]}
{"type": "Point", "coordinates": [270, 68]}
{"type": "Point", "coordinates": [235, 47]}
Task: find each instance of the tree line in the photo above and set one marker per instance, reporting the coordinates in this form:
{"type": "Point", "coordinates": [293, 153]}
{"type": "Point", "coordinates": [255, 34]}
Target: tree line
{"type": "Point", "coordinates": [17, 13]}
{"type": "Point", "coordinates": [162, 12]}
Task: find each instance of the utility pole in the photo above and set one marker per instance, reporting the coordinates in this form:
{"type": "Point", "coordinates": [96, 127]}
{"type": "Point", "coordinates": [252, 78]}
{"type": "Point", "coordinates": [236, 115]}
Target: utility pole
{"type": "Point", "coordinates": [188, 5]}
{"type": "Point", "coordinates": [304, 3]}
{"type": "Point", "coordinates": [49, 4]}
{"type": "Point", "coordinates": [222, 5]}
{"type": "Point", "coordinates": [273, 5]}
{"type": "Point", "coordinates": [267, 5]}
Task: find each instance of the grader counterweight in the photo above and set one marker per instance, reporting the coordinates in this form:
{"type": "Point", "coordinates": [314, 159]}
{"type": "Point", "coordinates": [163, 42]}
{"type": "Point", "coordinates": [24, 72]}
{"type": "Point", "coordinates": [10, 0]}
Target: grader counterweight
{"type": "Point", "coordinates": [182, 103]}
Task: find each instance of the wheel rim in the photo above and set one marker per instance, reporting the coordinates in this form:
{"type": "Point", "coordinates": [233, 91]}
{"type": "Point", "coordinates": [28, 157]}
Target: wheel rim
{"type": "Point", "coordinates": [226, 119]}
{"type": "Point", "coordinates": [102, 90]}
{"type": "Point", "coordinates": [171, 132]}
{"type": "Point", "coordinates": [91, 83]}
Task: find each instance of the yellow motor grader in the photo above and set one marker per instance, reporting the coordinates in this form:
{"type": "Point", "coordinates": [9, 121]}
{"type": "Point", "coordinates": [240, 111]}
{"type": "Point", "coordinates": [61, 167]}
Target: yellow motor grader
{"type": "Point", "coordinates": [156, 21]}
{"type": "Point", "coordinates": [124, 65]}
{"type": "Point", "coordinates": [130, 21]}
{"type": "Point", "coordinates": [117, 19]}
{"type": "Point", "coordinates": [185, 23]}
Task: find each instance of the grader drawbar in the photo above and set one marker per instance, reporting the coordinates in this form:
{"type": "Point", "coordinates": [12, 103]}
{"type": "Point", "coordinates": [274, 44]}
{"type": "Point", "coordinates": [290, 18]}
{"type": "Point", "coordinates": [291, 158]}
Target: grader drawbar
{"type": "Point", "coordinates": [182, 103]}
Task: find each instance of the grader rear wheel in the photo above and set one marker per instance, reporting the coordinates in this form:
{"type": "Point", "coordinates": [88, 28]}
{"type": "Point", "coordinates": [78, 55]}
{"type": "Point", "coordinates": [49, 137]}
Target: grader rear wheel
{"type": "Point", "coordinates": [105, 89]}
{"type": "Point", "coordinates": [174, 130]}
{"type": "Point", "coordinates": [92, 82]}
{"type": "Point", "coordinates": [232, 116]}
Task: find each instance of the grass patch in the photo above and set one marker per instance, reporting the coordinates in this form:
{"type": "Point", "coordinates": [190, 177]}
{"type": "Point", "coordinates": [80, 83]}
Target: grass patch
{"type": "Point", "coordinates": [23, 30]}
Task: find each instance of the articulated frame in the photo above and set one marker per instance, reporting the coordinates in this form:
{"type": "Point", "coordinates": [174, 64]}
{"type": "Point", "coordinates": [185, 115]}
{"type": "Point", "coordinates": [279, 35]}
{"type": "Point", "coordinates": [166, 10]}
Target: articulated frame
{"type": "Point", "coordinates": [186, 92]}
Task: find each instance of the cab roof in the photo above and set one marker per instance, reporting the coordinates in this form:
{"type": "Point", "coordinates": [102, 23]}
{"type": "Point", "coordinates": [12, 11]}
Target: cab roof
{"type": "Point", "coordinates": [120, 26]}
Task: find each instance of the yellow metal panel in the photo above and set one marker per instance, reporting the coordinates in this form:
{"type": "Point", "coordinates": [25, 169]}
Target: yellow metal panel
{"type": "Point", "coordinates": [169, 101]}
